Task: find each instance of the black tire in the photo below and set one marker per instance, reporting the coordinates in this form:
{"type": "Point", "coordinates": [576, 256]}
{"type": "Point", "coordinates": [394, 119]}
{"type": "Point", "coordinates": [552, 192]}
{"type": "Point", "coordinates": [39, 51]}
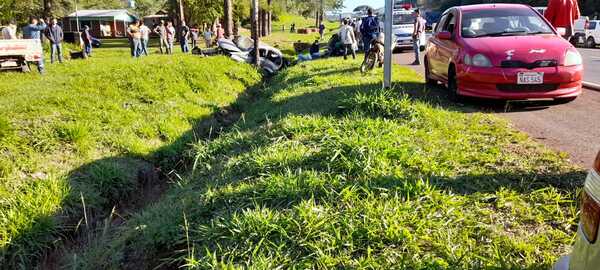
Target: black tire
{"type": "Point", "coordinates": [453, 94]}
{"type": "Point", "coordinates": [591, 43]}
{"type": "Point", "coordinates": [25, 67]}
{"type": "Point", "coordinates": [369, 63]}
{"type": "Point", "coordinates": [565, 100]}
{"type": "Point", "coordinates": [428, 80]}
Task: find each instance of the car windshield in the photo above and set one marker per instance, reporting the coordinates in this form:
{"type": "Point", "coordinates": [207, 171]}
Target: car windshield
{"type": "Point", "coordinates": [404, 18]}
{"type": "Point", "coordinates": [503, 22]}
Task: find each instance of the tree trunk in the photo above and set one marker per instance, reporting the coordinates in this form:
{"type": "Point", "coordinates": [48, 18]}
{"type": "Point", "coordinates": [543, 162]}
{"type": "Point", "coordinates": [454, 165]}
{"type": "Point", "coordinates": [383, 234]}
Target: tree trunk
{"type": "Point", "coordinates": [181, 12]}
{"type": "Point", "coordinates": [317, 19]}
{"type": "Point", "coordinates": [264, 23]}
{"type": "Point", "coordinates": [228, 20]}
{"type": "Point", "coordinates": [255, 31]}
{"type": "Point", "coordinates": [269, 18]}
{"type": "Point", "coordinates": [48, 8]}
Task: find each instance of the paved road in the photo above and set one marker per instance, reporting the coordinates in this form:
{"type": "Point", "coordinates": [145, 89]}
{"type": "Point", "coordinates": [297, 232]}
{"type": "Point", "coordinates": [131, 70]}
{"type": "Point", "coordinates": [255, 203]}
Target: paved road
{"type": "Point", "coordinates": [573, 128]}
{"type": "Point", "coordinates": [591, 62]}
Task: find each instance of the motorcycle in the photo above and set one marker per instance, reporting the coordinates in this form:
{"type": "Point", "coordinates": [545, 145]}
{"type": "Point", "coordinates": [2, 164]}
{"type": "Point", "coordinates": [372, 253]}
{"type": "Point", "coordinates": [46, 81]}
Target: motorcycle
{"type": "Point", "coordinates": [374, 55]}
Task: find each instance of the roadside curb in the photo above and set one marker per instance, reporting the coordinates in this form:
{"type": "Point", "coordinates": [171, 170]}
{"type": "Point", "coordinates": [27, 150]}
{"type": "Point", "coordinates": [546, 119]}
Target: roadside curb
{"type": "Point", "coordinates": [591, 86]}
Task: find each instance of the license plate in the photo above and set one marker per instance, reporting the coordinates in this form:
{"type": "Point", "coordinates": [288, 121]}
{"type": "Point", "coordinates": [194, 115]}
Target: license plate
{"type": "Point", "coordinates": [530, 78]}
{"type": "Point", "coordinates": [8, 64]}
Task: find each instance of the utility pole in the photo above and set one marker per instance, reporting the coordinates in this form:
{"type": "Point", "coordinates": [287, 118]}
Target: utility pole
{"type": "Point", "coordinates": [255, 32]}
{"type": "Point", "coordinates": [387, 59]}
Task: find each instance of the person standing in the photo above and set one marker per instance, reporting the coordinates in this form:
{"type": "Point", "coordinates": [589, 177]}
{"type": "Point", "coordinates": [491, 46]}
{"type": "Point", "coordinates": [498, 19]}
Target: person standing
{"type": "Point", "coordinates": [208, 37]}
{"type": "Point", "coordinates": [220, 32]}
{"type": "Point", "coordinates": [55, 35]}
{"type": "Point", "coordinates": [195, 33]}
{"type": "Point", "coordinates": [419, 29]}
{"type": "Point", "coordinates": [133, 31]}
{"type": "Point", "coordinates": [33, 31]}
{"type": "Point", "coordinates": [87, 41]}
{"type": "Point", "coordinates": [10, 31]}
{"type": "Point", "coordinates": [348, 39]}
{"type": "Point", "coordinates": [368, 29]}
{"type": "Point", "coordinates": [145, 38]}
{"type": "Point", "coordinates": [322, 29]}
{"type": "Point", "coordinates": [563, 13]}
{"type": "Point", "coordinates": [170, 34]}
{"type": "Point", "coordinates": [184, 35]}
{"type": "Point", "coordinates": [161, 31]}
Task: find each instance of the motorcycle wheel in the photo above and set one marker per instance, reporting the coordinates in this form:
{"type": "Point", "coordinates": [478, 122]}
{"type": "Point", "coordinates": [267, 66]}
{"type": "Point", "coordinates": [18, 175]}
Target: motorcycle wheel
{"type": "Point", "coordinates": [369, 63]}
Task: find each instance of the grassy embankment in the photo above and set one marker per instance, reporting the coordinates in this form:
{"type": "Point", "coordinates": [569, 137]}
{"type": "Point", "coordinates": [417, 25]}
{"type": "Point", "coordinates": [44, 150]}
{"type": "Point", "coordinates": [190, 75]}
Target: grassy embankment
{"type": "Point", "coordinates": [326, 171]}
{"type": "Point", "coordinates": [84, 138]}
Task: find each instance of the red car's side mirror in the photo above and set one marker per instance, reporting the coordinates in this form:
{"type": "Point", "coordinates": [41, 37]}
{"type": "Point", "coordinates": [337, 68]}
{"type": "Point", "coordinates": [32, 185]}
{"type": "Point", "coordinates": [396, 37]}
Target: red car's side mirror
{"type": "Point", "coordinates": [444, 35]}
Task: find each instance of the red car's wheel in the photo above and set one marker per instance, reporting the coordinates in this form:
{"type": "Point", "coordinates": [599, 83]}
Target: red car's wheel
{"type": "Point", "coordinates": [428, 80]}
{"type": "Point", "coordinates": [453, 94]}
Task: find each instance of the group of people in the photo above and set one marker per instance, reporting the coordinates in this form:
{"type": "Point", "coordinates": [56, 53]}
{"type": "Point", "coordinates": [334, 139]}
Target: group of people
{"type": "Point", "coordinates": [139, 37]}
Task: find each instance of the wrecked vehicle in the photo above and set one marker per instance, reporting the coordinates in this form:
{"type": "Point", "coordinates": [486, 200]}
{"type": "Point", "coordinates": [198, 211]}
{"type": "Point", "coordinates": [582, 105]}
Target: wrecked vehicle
{"type": "Point", "coordinates": [241, 49]}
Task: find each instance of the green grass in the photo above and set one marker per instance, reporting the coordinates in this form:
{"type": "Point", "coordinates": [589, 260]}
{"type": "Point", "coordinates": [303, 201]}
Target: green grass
{"type": "Point", "coordinates": [83, 131]}
{"type": "Point", "coordinates": [327, 171]}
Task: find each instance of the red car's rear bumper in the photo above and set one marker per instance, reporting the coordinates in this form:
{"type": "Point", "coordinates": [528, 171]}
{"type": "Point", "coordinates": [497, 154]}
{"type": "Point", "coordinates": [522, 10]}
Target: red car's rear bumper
{"type": "Point", "coordinates": [501, 83]}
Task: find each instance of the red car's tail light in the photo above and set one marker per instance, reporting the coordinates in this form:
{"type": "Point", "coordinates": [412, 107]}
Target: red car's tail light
{"type": "Point", "coordinates": [590, 203]}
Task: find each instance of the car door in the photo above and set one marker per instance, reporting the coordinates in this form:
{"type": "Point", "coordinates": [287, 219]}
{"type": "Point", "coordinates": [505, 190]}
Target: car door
{"type": "Point", "coordinates": [432, 55]}
{"type": "Point", "coordinates": [446, 49]}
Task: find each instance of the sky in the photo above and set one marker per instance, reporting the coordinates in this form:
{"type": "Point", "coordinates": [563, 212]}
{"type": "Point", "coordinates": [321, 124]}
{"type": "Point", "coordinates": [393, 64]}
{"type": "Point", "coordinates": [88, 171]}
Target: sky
{"type": "Point", "coordinates": [351, 4]}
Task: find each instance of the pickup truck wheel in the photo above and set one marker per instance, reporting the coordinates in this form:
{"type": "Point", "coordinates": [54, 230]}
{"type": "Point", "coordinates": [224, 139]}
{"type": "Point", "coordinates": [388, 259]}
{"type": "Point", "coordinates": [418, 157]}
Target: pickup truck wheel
{"type": "Point", "coordinates": [25, 67]}
{"type": "Point", "coordinates": [591, 43]}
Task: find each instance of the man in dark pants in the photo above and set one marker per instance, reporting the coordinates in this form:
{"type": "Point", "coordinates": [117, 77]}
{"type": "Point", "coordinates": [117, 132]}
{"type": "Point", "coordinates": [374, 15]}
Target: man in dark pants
{"type": "Point", "coordinates": [33, 31]}
{"type": "Point", "coordinates": [368, 29]}
{"type": "Point", "coordinates": [55, 35]}
{"type": "Point", "coordinates": [184, 35]}
{"type": "Point", "coordinates": [87, 41]}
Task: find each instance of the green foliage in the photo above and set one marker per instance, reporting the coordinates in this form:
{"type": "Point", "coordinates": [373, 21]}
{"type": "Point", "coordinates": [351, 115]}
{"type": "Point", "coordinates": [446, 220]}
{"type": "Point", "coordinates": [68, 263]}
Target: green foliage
{"type": "Point", "coordinates": [327, 171]}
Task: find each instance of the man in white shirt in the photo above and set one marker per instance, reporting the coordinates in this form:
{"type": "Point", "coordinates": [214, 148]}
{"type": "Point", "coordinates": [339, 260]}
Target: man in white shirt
{"type": "Point", "coordinates": [10, 31]}
{"type": "Point", "coordinates": [348, 39]}
{"type": "Point", "coordinates": [145, 33]}
{"type": "Point", "coordinates": [416, 36]}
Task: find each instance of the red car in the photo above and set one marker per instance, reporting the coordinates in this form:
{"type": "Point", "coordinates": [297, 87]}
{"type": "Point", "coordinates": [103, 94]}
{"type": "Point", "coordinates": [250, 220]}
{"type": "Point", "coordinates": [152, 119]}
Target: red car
{"type": "Point", "coordinates": [502, 51]}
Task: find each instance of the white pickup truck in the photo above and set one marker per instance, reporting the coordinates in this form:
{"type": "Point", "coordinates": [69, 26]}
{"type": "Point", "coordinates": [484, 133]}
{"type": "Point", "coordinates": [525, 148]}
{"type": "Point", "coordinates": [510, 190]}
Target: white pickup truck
{"type": "Point", "coordinates": [17, 53]}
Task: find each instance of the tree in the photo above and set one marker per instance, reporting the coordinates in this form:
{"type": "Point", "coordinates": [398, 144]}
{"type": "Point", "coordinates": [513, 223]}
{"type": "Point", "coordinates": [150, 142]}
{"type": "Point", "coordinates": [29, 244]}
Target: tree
{"type": "Point", "coordinates": [48, 8]}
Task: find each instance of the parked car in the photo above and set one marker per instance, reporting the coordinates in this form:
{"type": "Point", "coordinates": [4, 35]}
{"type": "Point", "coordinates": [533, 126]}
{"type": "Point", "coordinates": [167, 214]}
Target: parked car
{"type": "Point", "coordinates": [586, 252]}
{"type": "Point", "coordinates": [502, 51]}
{"type": "Point", "coordinates": [592, 34]}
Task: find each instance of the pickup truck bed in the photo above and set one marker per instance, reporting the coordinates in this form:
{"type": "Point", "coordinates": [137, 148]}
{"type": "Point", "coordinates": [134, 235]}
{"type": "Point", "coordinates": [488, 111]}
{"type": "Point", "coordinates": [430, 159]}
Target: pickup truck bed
{"type": "Point", "coordinates": [15, 53]}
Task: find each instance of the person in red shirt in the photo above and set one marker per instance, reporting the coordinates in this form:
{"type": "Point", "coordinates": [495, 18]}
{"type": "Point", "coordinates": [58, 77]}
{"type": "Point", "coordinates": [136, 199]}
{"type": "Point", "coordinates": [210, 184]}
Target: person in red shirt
{"type": "Point", "coordinates": [563, 13]}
